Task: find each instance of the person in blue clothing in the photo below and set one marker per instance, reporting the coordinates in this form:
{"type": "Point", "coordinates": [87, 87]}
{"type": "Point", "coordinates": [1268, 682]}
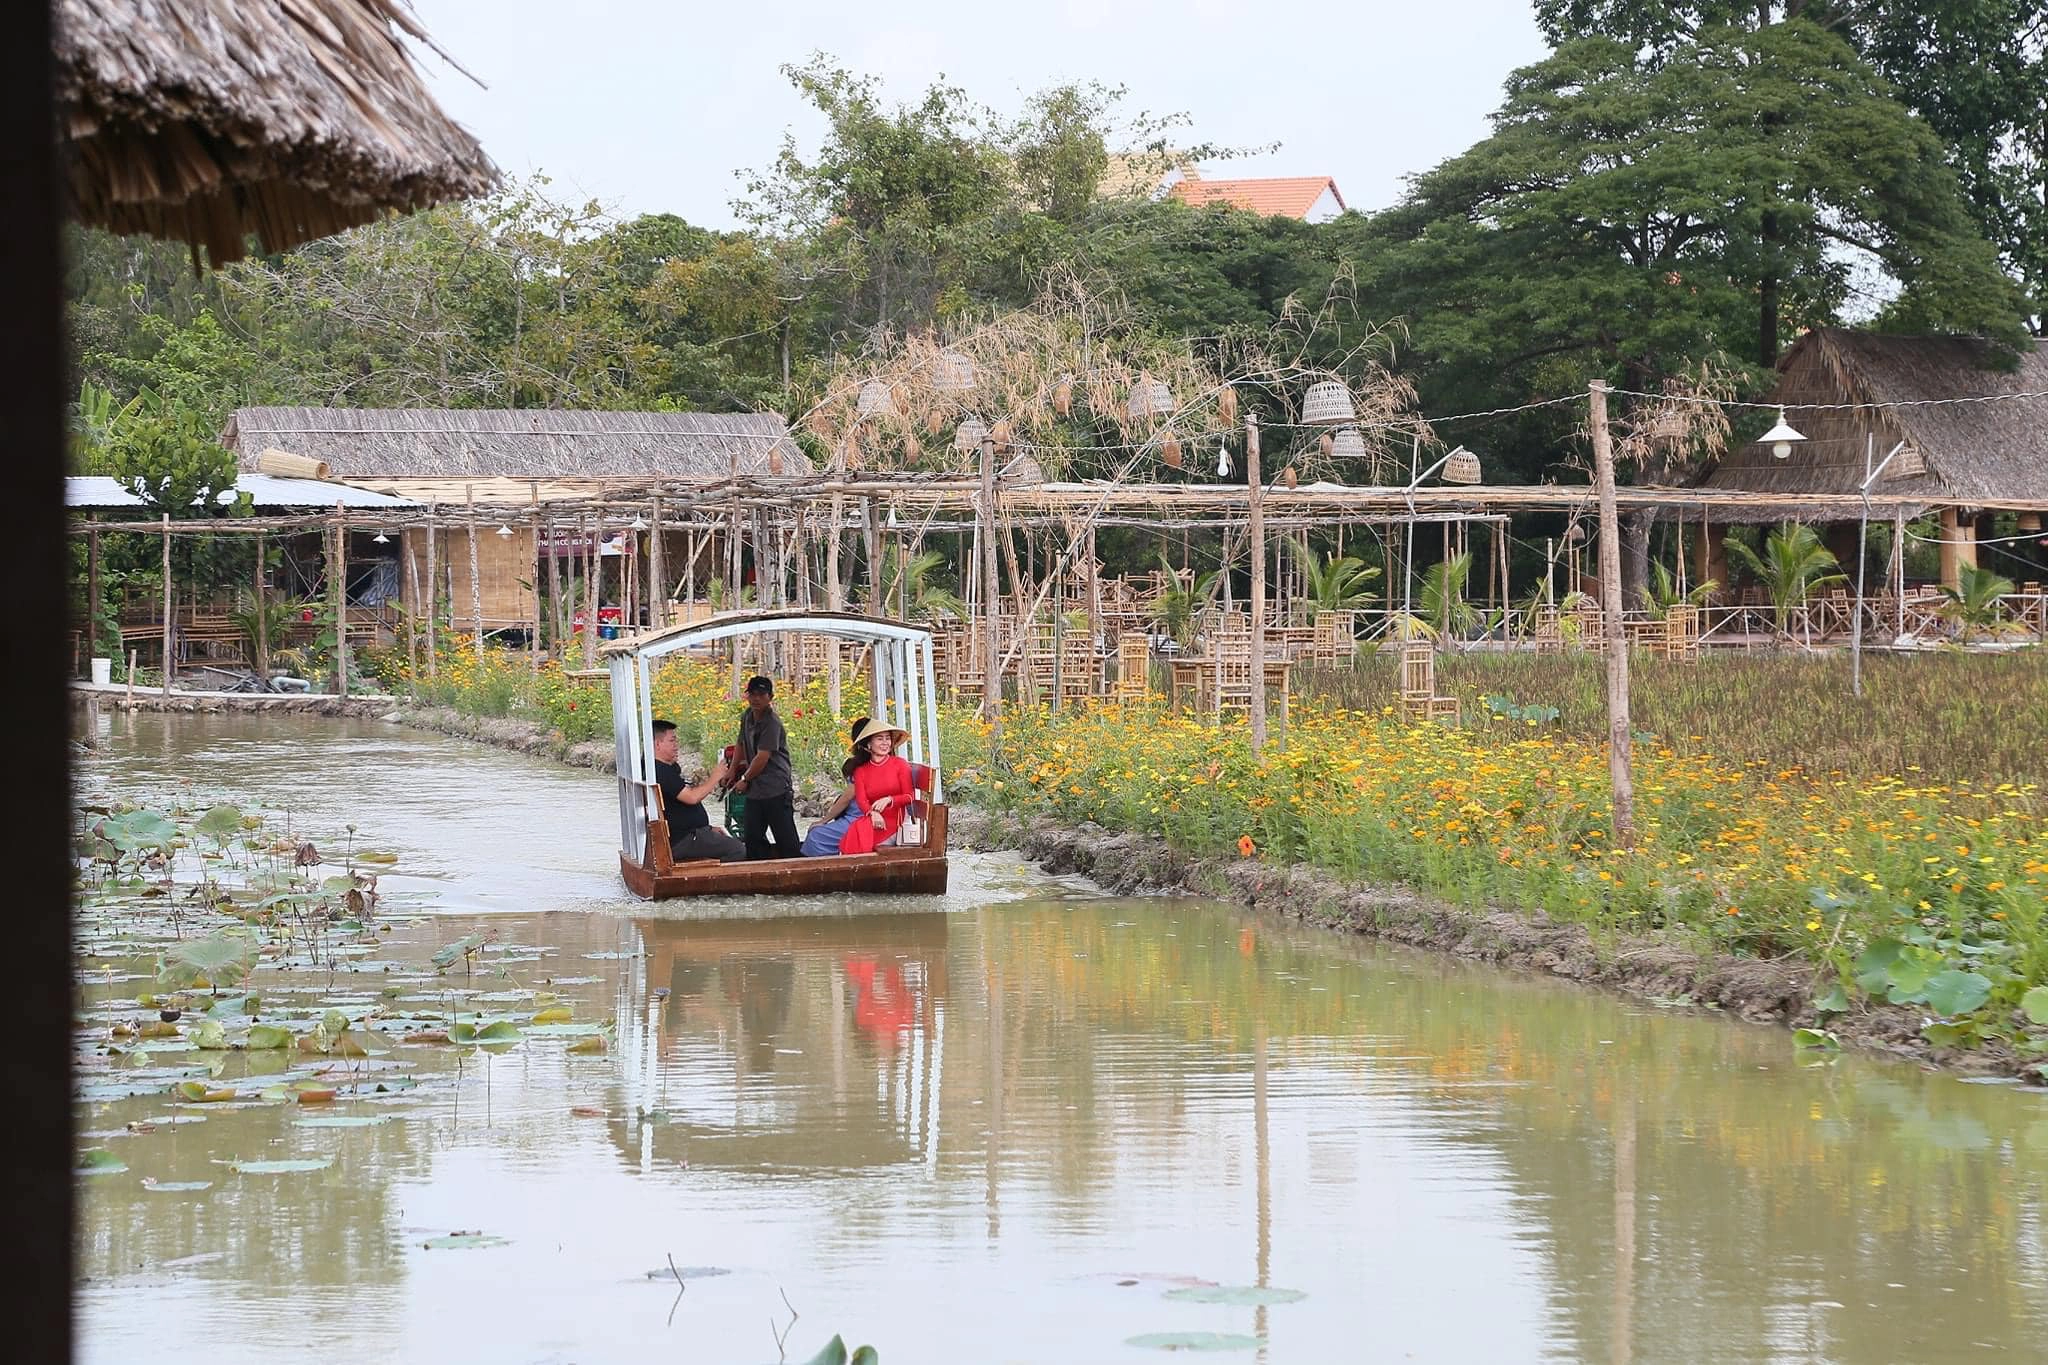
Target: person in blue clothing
{"type": "Point", "coordinates": [823, 838]}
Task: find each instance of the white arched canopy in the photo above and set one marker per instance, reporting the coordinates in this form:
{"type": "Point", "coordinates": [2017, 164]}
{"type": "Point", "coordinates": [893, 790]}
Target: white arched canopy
{"type": "Point", "coordinates": [901, 688]}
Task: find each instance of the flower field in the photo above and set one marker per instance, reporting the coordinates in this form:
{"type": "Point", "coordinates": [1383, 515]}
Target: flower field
{"type": "Point", "coordinates": [1925, 893]}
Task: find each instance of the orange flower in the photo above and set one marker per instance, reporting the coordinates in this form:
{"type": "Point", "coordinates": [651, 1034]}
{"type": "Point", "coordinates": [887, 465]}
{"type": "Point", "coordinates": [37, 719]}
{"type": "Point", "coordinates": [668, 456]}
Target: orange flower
{"type": "Point", "coordinates": [1245, 845]}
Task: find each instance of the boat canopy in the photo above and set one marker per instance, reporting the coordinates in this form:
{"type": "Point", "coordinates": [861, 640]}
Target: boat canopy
{"type": "Point", "coordinates": [901, 689]}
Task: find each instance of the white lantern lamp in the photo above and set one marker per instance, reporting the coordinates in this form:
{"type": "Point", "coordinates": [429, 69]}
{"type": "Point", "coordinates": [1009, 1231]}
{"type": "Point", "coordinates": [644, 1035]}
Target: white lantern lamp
{"type": "Point", "coordinates": [504, 531]}
{"type": "Point", "coordinates": [1781, 437]}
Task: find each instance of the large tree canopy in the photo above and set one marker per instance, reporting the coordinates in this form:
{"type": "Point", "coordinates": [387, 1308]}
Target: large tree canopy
{"type": "Point", "coordinates": [1975, 70]}
{"type": "Point", "coordinates": [1631, 216]}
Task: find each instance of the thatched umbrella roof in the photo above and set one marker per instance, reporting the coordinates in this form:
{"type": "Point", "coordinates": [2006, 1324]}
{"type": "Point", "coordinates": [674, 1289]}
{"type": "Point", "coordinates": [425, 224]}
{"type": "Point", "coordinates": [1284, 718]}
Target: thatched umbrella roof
{"type": "Point", "coordinates": [519, 443]}
{"type": "Point", "coordinates": [1975, 452]}
{"type": "Point", "coordinates": [206, 121]}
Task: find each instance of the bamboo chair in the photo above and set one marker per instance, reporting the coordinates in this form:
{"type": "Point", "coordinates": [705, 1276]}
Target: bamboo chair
{"type": "Point", "coordinates": [1592, 626]}
{"type": "Point", "coordinates": [1419, 699]}
{"type": "Point", "coordinates": [1133, 668]}
{"type": "Point", "coordinates": [1549, 632]}
{"type": "Point", "coordinates": [1682, 633]}
{"type": "Point", "coordinates": [1233, 681]}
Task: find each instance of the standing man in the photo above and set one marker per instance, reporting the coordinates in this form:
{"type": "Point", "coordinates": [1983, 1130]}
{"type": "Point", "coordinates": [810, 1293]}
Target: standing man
{"type": "Point", "coordinates": [766, 779]}
{"type": "Point", "coordinates": [690, 835]}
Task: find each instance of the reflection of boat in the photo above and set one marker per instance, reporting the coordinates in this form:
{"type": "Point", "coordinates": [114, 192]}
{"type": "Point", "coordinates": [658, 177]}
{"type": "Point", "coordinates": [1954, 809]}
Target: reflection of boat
{"type": "Point", "coordinates": [808, 1041]}
{"type": "Point", "coordinates": [903, 693]}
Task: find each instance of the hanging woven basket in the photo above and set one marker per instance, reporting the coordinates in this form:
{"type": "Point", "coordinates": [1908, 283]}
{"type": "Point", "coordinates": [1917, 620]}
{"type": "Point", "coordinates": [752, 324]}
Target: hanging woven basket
{"type": "Point", "coordinates": [1150, 399]}
{"type": "Point", "coordinates": [876, 400]}
{"type": "Point", "coordinates": [1907, 463]}
{"type": "Point", "coordinates": [1462, 467]}
{"type": "Point", "coordinates": [1327, 404]}
{"type": "Point", "coordinates": [953, 373]}
{"type": "Point", "coordinates": [969, 434]}
{"type": "Point", "coordinates": [1348, 443]}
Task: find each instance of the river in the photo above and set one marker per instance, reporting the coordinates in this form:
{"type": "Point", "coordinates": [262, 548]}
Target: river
{"type": "Point", "coordinates": [1023, 1122]}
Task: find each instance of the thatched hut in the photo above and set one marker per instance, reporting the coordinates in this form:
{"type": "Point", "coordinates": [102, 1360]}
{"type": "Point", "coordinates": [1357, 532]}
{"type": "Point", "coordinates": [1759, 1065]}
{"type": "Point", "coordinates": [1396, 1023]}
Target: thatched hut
{"type": "Point", "coordinates": [1966, 459]}
{"type": "Point", "coordinates": [212, 120]}
{"type": "Point", "coordinates": [506, 460]}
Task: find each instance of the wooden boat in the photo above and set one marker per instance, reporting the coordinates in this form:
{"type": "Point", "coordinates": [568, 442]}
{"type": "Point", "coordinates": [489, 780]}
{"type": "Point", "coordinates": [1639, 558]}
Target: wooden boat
{"type": "Point", "coordinates": [902, 692]}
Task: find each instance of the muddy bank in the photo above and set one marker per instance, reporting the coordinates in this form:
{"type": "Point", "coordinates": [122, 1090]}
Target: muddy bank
{"type": "Point", "coordinates": [1762, 992]}
{"type": "Point", "coordinates": [115, 697]}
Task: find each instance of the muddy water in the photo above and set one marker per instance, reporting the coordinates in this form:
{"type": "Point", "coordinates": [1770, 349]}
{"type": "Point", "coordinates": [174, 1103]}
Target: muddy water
{"type": "Point", "coordinates": [1021, 1124]}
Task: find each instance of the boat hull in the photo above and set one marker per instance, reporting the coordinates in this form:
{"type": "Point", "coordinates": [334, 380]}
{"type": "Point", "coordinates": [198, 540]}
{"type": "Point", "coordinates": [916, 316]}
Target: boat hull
{"type": "Point", "coordinates": [890, 871]}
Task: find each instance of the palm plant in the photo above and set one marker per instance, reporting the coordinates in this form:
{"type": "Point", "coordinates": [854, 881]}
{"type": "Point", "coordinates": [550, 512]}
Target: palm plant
{"type": "Point", "coordinates": [928, 597]}
{"type": "Point", "coordinates": [1443, 596]}
{"type": "Point", "coordinates": [1973, 603]}
{"type": "Point", "coordinates": [1792, 567]}
{"type": "Point", "coordinates": [1664, 593]}
{"type": "Point", "coordinates": [1340, 583]}
{"type": "Point", "coordinates": [1174, 611]}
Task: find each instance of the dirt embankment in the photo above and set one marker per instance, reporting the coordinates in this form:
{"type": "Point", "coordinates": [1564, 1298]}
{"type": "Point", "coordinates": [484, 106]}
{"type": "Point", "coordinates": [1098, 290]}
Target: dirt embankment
{"type": "Point", "coordinates": [1765, 992]}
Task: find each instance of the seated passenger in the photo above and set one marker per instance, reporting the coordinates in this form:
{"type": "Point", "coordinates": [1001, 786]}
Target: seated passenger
{"type": "Point", "coordinates": [884, 784]}
{"type": "Point", "coordinates": [823, 839]}
{"type": "Point", "coordinates": [690, 835]}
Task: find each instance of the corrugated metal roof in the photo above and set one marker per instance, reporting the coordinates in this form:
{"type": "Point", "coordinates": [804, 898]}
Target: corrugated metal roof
{"type": "Point", "coordinates": [264, 490]}
{"type": "Point", "coordinates": [1285, 196]}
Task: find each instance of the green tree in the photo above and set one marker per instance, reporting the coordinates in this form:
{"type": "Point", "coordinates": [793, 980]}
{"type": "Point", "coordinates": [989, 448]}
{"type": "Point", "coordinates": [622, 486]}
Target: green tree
{"type": "Point", "coordinates": [1336, 583]}
{"type": "Point", "coordinates": [167, 455]}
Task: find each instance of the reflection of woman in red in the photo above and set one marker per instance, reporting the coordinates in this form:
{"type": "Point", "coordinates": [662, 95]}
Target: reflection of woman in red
{"type": "Point", "coordinates": [883, 1005]}
{"type": "Point", "coordinates": [884, 784]}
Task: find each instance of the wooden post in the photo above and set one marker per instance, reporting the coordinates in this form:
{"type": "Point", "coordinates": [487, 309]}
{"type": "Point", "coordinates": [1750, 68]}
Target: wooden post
{"type": "Point", "coordinates": [871, 533]}
{"type": "Point", "coordinates": [657, 573]}
{"type": "Point", "coordinates": [476, 586]}
{"type": "Point", "coordinates": [1257, 531]}
{"type": "Point", "coordinates": [557, 627]}
{"type": "Point", "coordinates": [338, 590]}
{"type": "Point", "coordinates": [593, 566]}
{"type": "Point", "coordinates": [991, 597]}
{"type": "Point", "coordinates": [1618, 731]}
{"type": "Point", "coordinates": [412, 617]}
{"type": "Point", "coordinates": [834, 594]}
{"type": "Point", "coordinates": [533, 563]}
{"type": "Point", "coordinates": [433, 596]}
{"type": "Point", "coordinates": [262, 660]}
{"type": "Point", "coordinates": [92, 597]}
{"type": "Point", "coordinates": [1899, 568]}
{"type": "Point", "coordinates": [167, 606]}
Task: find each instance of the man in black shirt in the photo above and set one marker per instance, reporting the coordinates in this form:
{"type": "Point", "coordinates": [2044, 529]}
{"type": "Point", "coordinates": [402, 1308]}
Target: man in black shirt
{"type": "Point", "coordinates": [690, 835]}
{"type": "Point", "coordinates": [766, 779]}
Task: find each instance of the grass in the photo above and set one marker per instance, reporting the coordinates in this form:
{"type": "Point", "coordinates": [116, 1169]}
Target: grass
{"type": "Point", "coordinates": [1954, 716]}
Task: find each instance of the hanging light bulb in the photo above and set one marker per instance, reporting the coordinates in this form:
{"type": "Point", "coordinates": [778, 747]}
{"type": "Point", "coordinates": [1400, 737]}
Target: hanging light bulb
{"type": "Point", "coordinates": [639, 523]}
{"type": "Point", "coordinates": [1781, 437]}
{"type": "Point", "coordinates": [504, 531]}
{"type": "Point", "coordinates": [893, 521]}
{"type": "Point", "coordinates": [381, 539]}
{"type": "Point", "coordinates": [1223, 461]}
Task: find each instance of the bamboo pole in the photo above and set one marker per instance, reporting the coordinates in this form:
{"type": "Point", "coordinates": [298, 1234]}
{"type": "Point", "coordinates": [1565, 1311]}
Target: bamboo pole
{"type": "Point", "coordinates": [834, 597]}
{"type": "Point", "coordinates": [167, 606]}
{"type": "Point", "coordinates": [593, 569]}
{"type": "Point", "coordinates": [871, 535]}
{"type": "Point", "coordinates": [262, 659]}
{"type": "Point", "coordinates": [412, 619]}
{"type": "Point", "coordinates": [657, 573]}
{"type": "Point", "coordinates": [92, 597]}
{"type": "Point", "coordinates": [1618, 732]}
{"type": "Point", "coordinates": [433, 595]}
{"type": "Point", "coordinates": [533, 524]}
{"type": "Point", "coordinates": [476, 585]}
{"type": "Point", "coordinates": [1257, 532]}
{"type": "Point", "coordinates": [991, 598]}
{"type": "Point", "coordinates": [556, 626]}
{"type": "Point", "coordinates": [339, 591]}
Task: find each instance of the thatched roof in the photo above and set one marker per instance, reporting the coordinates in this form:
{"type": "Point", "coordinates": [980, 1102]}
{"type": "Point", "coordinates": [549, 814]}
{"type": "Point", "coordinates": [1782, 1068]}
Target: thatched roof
{"type": "Point", "coordinates": [381, 444]}
{"type": "Point", "coordinates": [1975, 452]}
{"type": "Point", "coordinates": [208, 120]}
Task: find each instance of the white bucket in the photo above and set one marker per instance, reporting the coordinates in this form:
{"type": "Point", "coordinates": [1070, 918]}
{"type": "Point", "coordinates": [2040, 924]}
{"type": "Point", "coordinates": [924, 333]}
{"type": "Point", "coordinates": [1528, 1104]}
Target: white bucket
{"type": "Point", "coordinates": [102, 672]}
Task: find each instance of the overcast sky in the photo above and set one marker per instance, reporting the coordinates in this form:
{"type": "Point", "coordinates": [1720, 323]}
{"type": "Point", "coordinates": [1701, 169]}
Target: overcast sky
{"type": "Point", "coordinates": [652, 105]}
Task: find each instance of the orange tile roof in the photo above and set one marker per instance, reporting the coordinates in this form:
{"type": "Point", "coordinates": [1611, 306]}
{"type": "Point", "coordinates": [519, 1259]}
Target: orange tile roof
{"type": "Point", "coordinates": [1287, 196]}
